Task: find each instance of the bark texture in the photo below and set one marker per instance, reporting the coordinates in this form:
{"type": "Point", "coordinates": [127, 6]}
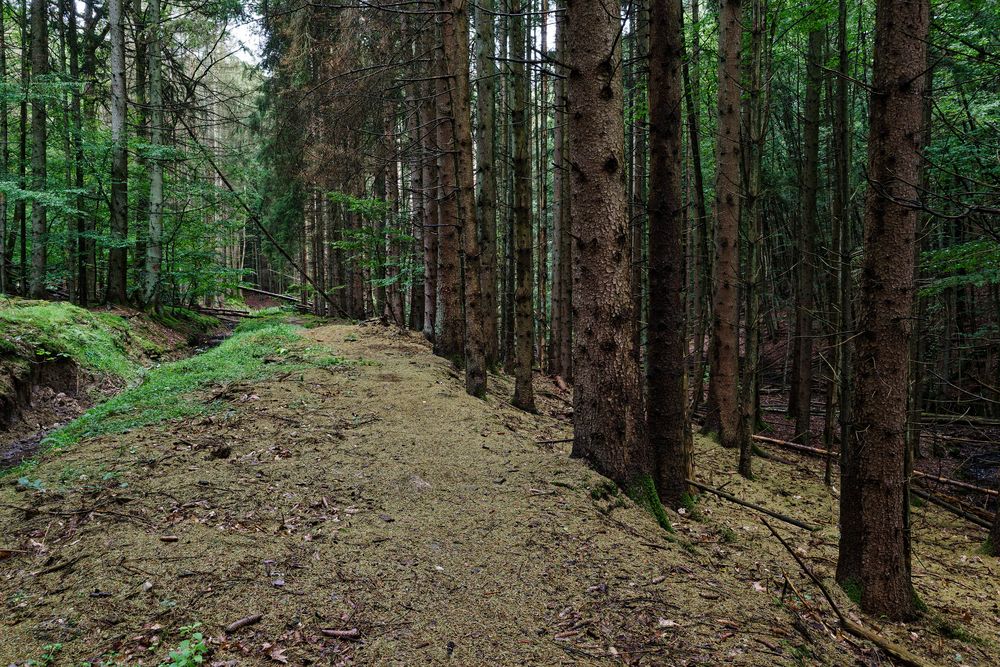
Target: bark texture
{"type": "Point", "coordinates": [874, 553]}
{"type": "Point", "coordinates": [606, 401]}
{"type": "Point", "coordinates": [118, 253]}
{"type": "Point", "coordinates": [524, 334]}
{"type": "Point", "coordinates": [724, 412]}
{"type": "Point", "coordinates": [39, 178]}
{"type": "Point", "coordinates": [667, 422]}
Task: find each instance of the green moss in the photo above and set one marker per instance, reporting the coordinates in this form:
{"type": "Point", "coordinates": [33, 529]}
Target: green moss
{"type": "Point", "coordinates": [852, 588]}
{"type": "Point", "coordinates": [183, 319]}
{"type": "Point", "coordinates": [950, 629]}
{"type": "Point", "coordinates": [727, 535]}
{"type": "Point", "coordinates": [643, 492]}
{"type": "Point", "coordinates": [606, 489]}
{"type": "Point", "coordinates": [96, 341]}
{"type": "Point", "coordinates": [174, 390]}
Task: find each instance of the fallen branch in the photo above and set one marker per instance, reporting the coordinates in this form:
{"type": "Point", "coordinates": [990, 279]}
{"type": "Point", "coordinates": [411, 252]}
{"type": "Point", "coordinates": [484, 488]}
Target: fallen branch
{"type": "Point", "coordinates": [553, 442]}
{"type": "Point", "coordinates": [353, 633]}
{"type": "Point", "coordinates": [916, 473]}
{"type": "Point", "coordinates": [931, 498]}
{"type": "Point", "coordinates": [242, 623]}
{"type": "Point", "coordinates": [895, 650]}
{"type": "Point", "coordinates": [771, 513]}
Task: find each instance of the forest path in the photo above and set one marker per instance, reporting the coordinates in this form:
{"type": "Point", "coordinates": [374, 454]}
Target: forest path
{"type": "Point", "coordinates": [376, 500]}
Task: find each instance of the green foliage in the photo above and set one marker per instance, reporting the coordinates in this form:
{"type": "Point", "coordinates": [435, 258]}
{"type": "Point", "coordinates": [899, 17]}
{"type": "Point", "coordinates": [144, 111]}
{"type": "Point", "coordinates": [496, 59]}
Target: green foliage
{"type": "Point", "coordinates": [191, 651]}
{"type": "Point", "coordinates": [852, 588]}
{"type": "Point", "coordinates": [96, 341]}
{"type": "Point", "coordinates": [49, 653]}
{"type": "Point", "coordinates": [171, 391]}
{"type": "Point", "coordinates": [974, 263]}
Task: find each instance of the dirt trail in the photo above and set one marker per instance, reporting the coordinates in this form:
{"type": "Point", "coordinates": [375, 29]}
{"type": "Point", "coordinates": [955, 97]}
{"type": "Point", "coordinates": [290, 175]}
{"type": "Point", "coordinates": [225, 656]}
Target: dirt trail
{"type": "Point", "coordinates": [376, 498]}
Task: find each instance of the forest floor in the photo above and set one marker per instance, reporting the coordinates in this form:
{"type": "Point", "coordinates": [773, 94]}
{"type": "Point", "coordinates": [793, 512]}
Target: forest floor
{"type": "Point", "coordinates": [348, 503]}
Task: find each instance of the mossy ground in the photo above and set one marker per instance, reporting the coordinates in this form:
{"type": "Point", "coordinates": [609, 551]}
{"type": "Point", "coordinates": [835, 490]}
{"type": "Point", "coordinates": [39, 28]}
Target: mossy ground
{"type": "Point", "coordinates": [377, 496]}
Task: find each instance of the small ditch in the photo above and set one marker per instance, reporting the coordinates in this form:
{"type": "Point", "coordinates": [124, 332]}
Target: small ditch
{"type": "Point", "coordinates": [54, 393]}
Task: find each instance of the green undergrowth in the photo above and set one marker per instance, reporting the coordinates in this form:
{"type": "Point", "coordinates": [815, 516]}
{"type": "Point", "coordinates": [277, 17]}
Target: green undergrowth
{"type": "Point", "coordinates": [271, 316]}
{"type": "Point", "coordinates": [46, 331]}
{"type": "Point", "coordinates": [174, 390]}
{"type": "Point", "coordinates": [102, 342]}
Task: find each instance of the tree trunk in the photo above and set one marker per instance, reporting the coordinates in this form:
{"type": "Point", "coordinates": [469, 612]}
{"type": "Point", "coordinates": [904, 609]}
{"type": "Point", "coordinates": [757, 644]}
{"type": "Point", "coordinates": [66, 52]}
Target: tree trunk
{"type": "Point", "coordinates": [560, 359]}
{"type": "Point", "coordinates": [429, 192]}
{"type": "Point", "coordinates": [807, 240]}
{"type": "Point", "coordinates": [449, 334]}
{"type": "Point", "coordinates": [874, 537]}
{"type": "Point", "coordinates": [456, 39]}
{"type": "Point", "coordinates": [486, 185]}
{"type": "Point", "coordinates": [724, 410]}
{"type": "Point", "coordinates": [5, 285]}
{"type": "Point", "coordinates": [667, 423]}
{"type": "Point", "coordinates": [39, 180]}
{"type": "Point", "coordinates": [607, 406]}
{"type": "Point", "coordinates": [20, 208]}
{"type": "Point", "coordinates": [118, 254]}
{"type": "Point", "coordinates": [154, 243]}
{"type": "Point", "coordinates": [82, 287]}
{"type": "Point", "coordinates": [700, 268]}
{"type": "Point", "coordinates": [524, 396]}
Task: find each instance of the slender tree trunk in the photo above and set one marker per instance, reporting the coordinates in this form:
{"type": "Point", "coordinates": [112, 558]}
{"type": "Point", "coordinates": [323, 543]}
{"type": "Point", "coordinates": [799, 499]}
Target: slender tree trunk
{"type": "Point", "coordinates": [82, 287]}
{"type": "Point", "coordinates": [486, 184]}
{"type": "Point", "coordinates": [807, 239]}
{"type": "Point", "coordinates": [874, 537]}
{"type": "Point", "coordinates": [701, 272]}
{"type": "Point", "coordinates": [608, 415]}
{"type": "Point", "coordinates": [414, 129]}
{"type": "Point", "coordinates": [5, 286]}
{"type": "Point", "coordinates": [561, 361]}
{"type": "Point", "coordinates": [667, 422]}
{"type": "Point", "coordinates": [429, 191]}
{"type": "Point", "coordinates": [118, 254]}
{"type": "Point", "coordinates": [39, 180]}
{"type": "Point", "coordinates": [449, 335]}
{"type": "Point", "coordinates": [154, 243]}
{"type": "Point", "coordinates": [456, 39]}
{"type": "Point", "coordinates": [524, 396]}
{"type": "Point", "coordinates": [724, 410]}
{"type": "Point", "coordinates": [20, 208]}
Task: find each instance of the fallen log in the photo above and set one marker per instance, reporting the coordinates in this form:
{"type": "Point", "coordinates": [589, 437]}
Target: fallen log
{"type": "Point", "coordinates": [771, 513]}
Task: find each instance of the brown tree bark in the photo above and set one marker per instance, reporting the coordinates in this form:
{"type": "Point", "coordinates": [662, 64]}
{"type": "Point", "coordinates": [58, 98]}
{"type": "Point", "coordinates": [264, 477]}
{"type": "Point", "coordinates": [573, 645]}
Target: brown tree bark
{"type": "Point", "coordinates": [486, 178]}
{"type": "Point", "coordinates": [700, 264]}
{"type": "Point", "coordinates": [667, 422]}
{"type": "Point", "coordinates": [39, 179]}
{"type": "Point", "coordinates": [449, 330]}
{"type": "Point", "coordinates": [456, 41]}
{"type": "Point", "coordinates": [807, 240]}
{"type": "Point", "coordinates": [724, 411]}
{"type": "Point", "coordinates": [874, 553]}
{"type": "Point", "coordinates": [608, 429]}
{"type": "Point", "coordinates": [560, 356]}
{"type": "Point", "coordinates": [118, 254]}
{"type": "Point", "coordinates": [524, 396]}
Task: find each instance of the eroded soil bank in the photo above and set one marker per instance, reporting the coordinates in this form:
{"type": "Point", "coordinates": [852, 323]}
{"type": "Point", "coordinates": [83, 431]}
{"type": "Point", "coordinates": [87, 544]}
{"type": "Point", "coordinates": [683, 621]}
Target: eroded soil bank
{"type": "Point", "coordinates": [56, 361]}
{"type": "Point", "coordinates": [360, 508]}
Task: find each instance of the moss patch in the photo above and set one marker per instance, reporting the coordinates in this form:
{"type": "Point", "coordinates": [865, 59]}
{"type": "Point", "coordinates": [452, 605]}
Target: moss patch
{"type": "Point", "coordinates": [170, 391]}
{"type": "Point", "coordinates": [643, 493]}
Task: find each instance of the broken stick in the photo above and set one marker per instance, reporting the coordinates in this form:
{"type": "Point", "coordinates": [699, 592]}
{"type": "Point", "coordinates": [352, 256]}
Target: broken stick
{"type": "Point", "coordinates": [895, 650]}
{"type": "Point", "coordinates": [771, 513]}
